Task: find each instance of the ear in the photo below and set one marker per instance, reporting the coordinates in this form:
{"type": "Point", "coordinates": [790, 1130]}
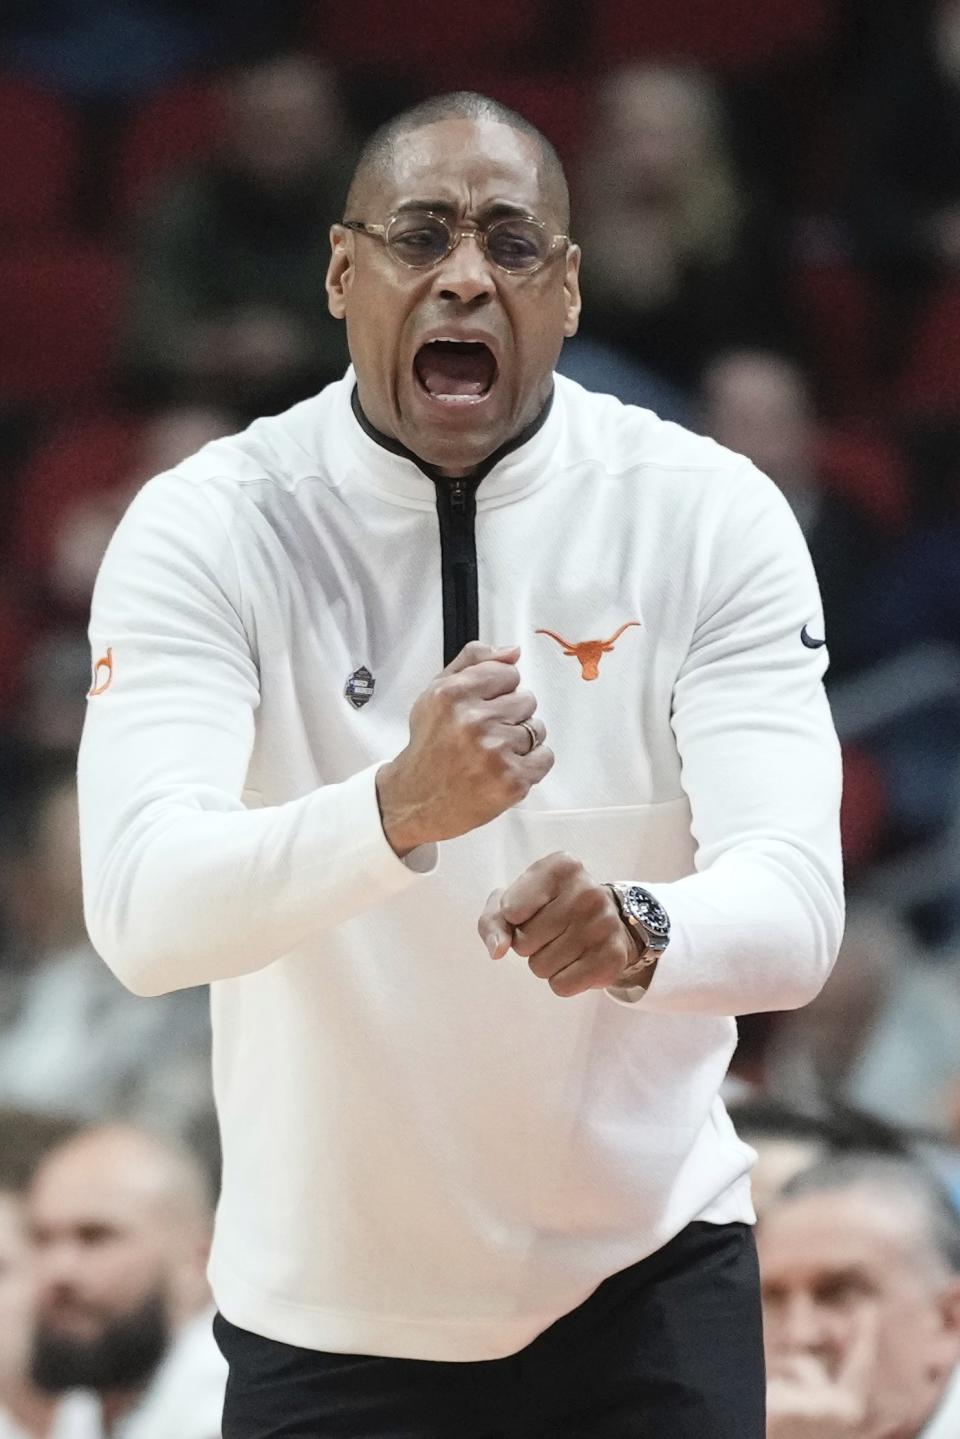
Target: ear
{"type": "Point", "coordinates": [339, 271]}
{"type": "Point", "coordinates": [571, 292]}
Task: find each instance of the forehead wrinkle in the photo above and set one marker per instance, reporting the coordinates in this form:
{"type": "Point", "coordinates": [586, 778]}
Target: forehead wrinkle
{"type": "Point", "coordinates": [416, 160]}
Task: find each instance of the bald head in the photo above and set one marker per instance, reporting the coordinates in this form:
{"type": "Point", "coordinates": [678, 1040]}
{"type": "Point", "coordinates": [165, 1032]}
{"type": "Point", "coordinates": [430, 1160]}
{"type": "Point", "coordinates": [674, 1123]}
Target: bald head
{"type": "Point", "coordinates": [904, 1187]}
{"type": "Point", "coordinates": [120, 1221]}
{"type": "Point", "coordinates": [152, 1174]}
{"type": "Point", "coordinates": [758, 404]}
{"type": "Point", "coordinates": [378, 154]}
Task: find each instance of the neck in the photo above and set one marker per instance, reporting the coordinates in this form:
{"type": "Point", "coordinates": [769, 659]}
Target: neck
{"type": "Point", "coordinates": [32, 1411]}
{"type": "Point", "coordinates": [437, 472]}
{"type": "Point", "coordinates": [115, 1404]}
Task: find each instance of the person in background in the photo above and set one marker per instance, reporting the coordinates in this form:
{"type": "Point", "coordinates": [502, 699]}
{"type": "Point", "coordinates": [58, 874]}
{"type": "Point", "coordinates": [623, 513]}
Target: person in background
{"type": "Point", "coordinates": [74, 1041]}
{"type": "Point", "coordinates": [678, 262]}
{"type": "Point", "coordinates": [120, 1221]}
{"type": "Point", "coordinates": [73, 496]}
{"type": "Point", "coordinates": [758, 403]}
{"type": "Point", "coordinates": [860, 1278]}
{"type": "Point", "coordinates": [228, 301]}
{"type": "Point", "coordinates": [882, 1033]}
{"type": "Point", "coordinates": [789, 1139]}
{"type": "Point", "coordinates": [26, 1411]}
{"type": "Point", "coordinates": [904, 204]}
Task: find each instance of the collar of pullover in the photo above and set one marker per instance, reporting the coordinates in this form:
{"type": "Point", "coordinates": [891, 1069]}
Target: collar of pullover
{"type": "Point", "coordinates": [511, 471]}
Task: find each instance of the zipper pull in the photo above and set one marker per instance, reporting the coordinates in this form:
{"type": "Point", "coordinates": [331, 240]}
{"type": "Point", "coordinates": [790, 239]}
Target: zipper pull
{"type": "Point", "coordinates": [458, 497]}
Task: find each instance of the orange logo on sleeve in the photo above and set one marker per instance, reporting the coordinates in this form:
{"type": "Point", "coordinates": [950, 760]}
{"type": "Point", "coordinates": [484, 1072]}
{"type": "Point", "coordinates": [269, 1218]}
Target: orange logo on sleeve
{"type": "Point", "coordinates": [102, 674]}
{"type": "Point", "coordinates": [589, 652]}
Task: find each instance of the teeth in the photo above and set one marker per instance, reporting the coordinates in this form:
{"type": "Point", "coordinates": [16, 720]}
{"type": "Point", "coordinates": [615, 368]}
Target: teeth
{"type": "Point", "coordinates": [461, 344]}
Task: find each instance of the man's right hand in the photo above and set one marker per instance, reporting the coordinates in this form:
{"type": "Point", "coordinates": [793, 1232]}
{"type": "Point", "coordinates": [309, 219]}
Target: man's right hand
{"type": "Point", "coordinates": [469, 757]}
{"type": "Point", "coordinates": [858, 1401]}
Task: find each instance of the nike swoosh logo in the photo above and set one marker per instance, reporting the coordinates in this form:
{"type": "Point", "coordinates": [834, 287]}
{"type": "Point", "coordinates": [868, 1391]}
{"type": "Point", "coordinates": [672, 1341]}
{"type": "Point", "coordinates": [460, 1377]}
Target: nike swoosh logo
{"type": "Point", "coordinates": [809, 641]}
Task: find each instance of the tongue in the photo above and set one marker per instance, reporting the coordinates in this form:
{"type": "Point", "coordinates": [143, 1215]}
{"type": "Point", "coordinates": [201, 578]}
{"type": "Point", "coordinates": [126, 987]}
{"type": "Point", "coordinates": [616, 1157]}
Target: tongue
{"type": "Point", "coordinates": [445, 371]}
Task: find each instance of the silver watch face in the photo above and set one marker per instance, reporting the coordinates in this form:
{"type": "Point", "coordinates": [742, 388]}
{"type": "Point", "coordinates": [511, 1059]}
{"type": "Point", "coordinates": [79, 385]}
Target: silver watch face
{"type": "Point", "coordinates": [640, 905]}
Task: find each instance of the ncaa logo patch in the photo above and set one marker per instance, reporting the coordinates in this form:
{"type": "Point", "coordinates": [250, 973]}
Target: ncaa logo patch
{"type": "Point", "coordinates": [359, 687]}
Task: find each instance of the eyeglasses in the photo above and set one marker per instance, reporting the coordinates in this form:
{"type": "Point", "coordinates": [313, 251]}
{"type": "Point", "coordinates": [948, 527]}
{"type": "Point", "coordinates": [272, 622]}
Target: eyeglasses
{"type": "Point", "coordinates": [420, 239]}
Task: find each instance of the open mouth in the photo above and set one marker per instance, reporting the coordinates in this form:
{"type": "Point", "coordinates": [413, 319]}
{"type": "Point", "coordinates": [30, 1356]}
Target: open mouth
{"type": "Point", "coordinates": [458, 371]}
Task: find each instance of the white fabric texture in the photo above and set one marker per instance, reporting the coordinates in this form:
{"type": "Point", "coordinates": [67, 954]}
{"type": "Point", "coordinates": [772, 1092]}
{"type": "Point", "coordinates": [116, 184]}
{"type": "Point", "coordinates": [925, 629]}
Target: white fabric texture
{"type": "Point", "coordinates": [427, 1154]}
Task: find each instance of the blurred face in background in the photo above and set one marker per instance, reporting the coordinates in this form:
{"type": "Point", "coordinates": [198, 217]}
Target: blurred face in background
{"type": "Point", "coordinates": [848, 1267]}
{"type": "Point", "coordinates": [653, 126]}
{"type": "Point", "coordinates": [284, 120]}
{"type": "Point", "coordinates": [757, 405]}
{"type": "Point", "coordinates": [119, 1261]}
{"type": "Point", "coordinates": [16, 1295]}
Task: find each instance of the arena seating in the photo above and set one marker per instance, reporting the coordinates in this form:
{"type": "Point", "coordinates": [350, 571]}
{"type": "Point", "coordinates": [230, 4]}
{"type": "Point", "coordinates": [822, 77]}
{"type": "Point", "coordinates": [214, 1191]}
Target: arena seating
{"type": "Point", "coordinates": [60, 307]}
{"type": "Point", "coordinates": [737, 35]}
{"type": "Point", "coordinates": [39, 159]}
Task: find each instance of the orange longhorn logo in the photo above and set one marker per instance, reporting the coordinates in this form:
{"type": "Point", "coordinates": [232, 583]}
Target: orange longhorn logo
{"type": "Point", "coordinates": [589, 652]}
{"type": "Point", "coordinates": [102, 674]}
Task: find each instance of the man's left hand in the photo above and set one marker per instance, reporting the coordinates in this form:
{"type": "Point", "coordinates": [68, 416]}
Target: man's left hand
{"type": "Point", "coordinates": [565, 924]}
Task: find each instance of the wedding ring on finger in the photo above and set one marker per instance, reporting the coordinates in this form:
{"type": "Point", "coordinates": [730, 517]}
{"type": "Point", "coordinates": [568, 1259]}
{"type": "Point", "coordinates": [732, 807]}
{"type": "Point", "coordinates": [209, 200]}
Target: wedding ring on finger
{"type": "Point", "coordinates": [535, 739]}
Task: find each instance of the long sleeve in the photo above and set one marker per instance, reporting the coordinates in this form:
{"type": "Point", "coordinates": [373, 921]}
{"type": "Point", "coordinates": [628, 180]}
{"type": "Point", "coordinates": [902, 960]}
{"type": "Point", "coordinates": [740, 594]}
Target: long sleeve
{"type": "Point", "coordinates": [759, 925]}
{"type": "Point", "coordinates": [182, 884]}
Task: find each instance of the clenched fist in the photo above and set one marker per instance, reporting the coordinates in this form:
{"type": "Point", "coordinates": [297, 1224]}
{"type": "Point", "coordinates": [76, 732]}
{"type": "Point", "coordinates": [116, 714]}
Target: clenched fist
{"type": "Point", "coordinates": [469, 756]}
{"type": "Point", "coordinates": [565, 924]}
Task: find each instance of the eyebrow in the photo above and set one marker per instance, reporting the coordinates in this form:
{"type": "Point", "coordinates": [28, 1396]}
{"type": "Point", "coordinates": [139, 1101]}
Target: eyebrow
{"type": "Point", "coordinates": [496, 209]}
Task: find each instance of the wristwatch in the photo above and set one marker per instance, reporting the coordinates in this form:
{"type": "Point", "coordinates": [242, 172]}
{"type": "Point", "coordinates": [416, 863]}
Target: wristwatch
{"type": "Point", "coordinates": [648, 922]}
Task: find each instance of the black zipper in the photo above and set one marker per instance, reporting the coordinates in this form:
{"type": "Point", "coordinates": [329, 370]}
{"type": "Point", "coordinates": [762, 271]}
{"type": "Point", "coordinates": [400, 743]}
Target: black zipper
{"type": "Point", "coordinates": [457, 513]}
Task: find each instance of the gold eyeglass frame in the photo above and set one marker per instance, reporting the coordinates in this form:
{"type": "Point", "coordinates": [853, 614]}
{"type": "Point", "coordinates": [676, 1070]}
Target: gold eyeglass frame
{"type": "Point", "coordinates": [480, 234]}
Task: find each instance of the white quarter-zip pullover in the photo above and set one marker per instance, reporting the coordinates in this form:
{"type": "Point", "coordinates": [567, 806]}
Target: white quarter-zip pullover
{"type": "Point", "coordinates": [427, 1153]}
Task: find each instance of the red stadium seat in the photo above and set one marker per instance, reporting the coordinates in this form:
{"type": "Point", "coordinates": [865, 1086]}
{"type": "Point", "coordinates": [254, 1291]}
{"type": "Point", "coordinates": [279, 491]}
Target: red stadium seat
{"type": "Point", "coordinates": [930, 383]}
{"type": "Point", "coordinates": [869, 470]}
{"type": "Point", "coordinates": [172, 129]}
{"type": "Point", "coordinates": [383, 33]}
{"type": "Point", "coordinates": [555, 103]}
{"type": "Point", "coordinates": [863, 809]}
{"type": "Point", "coordinates": [17, 634]}
{"type": "Point", "coordinates": [60, 305]}
{"type": "Point", "coordinates": [82, 458]}
{"type": "Point", "coordinates": [737, 35]}
{"type": "Point", "coordinates": [39, 159]}
{"type": "Point", "coordinates": [840, 318]}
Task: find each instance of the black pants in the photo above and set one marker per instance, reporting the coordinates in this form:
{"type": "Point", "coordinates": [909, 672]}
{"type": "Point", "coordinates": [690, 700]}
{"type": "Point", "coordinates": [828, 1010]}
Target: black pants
{"type": "Point", "coordinates": [669, 1348]}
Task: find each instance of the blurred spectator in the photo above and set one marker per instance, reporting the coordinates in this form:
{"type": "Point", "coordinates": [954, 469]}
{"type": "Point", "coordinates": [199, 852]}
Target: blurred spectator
{"type": "Point", "coordinates": [907, 615]}
{"type": "Point", "coordinates": [789, 1140]}
{"type": "Point", "coordinates": [73, 1040]}
{"type": "Point", "coordinates": [906, 182]}
{"type": "Point", "coordinates": [121, 1224]}
{"type": "Point", "coordinates": [26, 1412]}
{"type": "Point", "coordinates": [602, 367]}
{"type": "Point", "coordinates": [759, 404]}
{"type": "Point", "coordinates": [229, 304]}
{"type": "Point", "coordinates": [678, 261]}
{"type": "Point", "coordinates": [860, 1275]}
{"type": "Point", "coordinates": [786, 1140]}
{"type": "Point", "coordinates": [73, 494]}
{"type": "Point", "coordinates": [105, 50]}
{"type": "Point", "coordinates": [881, 1035]}
{"type": "Point", "coordinates": [77, 526]}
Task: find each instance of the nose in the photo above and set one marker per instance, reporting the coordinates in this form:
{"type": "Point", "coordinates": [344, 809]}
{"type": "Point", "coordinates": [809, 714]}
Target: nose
{"type": "Point", "coordinates": [802, 1325]}
{"type": "Point", "coordinates": [466, 275]}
